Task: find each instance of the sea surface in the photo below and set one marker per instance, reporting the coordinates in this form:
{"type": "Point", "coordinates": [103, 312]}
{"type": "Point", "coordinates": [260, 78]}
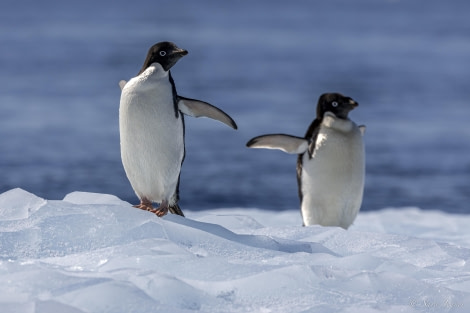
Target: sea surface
{"type": "Point", "coordinates": [265, 63]}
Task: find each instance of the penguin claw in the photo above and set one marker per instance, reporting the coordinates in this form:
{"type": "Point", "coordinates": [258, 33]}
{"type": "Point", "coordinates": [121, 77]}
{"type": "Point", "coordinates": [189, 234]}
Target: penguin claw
{"type": "Point", "coordinates": [162, 209]}
{"type": "Point", "coordinates": [146, 205]}
{"type": "Point", "coordinates": [161, 212]}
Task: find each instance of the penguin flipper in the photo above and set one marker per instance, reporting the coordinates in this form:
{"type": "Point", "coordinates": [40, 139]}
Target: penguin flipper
{"type": "Point", "coordinates": [198, 108]}
{"type": "Point", "coordinates": [122, 83]}
{"type": "Point", "coordinates": [362, 129]}
{"type": "Point", "coordinates": [287, 143]}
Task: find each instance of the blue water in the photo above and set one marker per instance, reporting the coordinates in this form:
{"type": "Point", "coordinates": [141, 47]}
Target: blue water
{"type": "Point", "coordinates": [265, 63]}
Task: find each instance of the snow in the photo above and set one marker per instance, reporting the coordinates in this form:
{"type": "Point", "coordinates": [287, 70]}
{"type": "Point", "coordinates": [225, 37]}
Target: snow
{"type": "Point", "coordinates": [95, 253]}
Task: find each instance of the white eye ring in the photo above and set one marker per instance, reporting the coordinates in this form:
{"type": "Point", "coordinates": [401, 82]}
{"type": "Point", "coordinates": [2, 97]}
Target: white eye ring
{"type": "Point", "coordinates": [162, 53]}
{"type": "Point", "coordinates": [334, 104]}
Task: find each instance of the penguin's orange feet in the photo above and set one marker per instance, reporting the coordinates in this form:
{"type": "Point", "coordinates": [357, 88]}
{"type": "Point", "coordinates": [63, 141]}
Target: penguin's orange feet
{"type": "Point", "coordinates": [162, 209]}
{"type": "Point", "coordinates": [145, 205]}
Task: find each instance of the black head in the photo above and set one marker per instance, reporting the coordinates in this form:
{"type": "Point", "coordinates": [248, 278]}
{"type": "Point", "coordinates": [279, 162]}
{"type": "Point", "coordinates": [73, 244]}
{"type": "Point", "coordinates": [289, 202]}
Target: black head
{"type": "Point", "coordinates": [165, 53]}
{"type": "Point", "coordinates": [335, 103]}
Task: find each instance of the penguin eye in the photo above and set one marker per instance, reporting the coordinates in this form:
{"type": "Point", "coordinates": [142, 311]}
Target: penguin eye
{"type": "Point", "coordinates": [162, 53]}
{"type": "Point", "coordinates": [334, 104]}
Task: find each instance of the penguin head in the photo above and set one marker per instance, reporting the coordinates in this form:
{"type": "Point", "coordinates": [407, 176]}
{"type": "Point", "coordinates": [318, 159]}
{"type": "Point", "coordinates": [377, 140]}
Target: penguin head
{"type": "Point", "coordinates": [335, 103]}
{"type": "Point", "coordinates": [165, 53]}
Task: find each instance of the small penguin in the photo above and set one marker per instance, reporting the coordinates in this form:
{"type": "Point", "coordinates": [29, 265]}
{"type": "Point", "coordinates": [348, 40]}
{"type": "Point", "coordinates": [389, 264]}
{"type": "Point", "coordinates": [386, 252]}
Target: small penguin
{"type": "Point", "coordinates": [151, 126]}
{"type": "Point", "coordinates": [330, 165]}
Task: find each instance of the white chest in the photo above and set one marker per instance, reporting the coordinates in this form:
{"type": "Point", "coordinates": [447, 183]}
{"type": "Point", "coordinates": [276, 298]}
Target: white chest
{"type": "Point", "coordinates": [148, 98]}
{"type": "Point", "coordinates": [333, 179]}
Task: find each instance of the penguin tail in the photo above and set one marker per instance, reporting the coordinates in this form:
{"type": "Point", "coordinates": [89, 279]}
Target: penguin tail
{"type": "Point", "coordinates": [175, 209]}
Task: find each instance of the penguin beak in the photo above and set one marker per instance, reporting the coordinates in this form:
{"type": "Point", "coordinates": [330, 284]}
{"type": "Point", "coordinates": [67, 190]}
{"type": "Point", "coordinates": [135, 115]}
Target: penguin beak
{"type": "Point", "coordinates": [353, 103]}
{"type": "Point", "coordinates": [175, 55]}
{"type": "Point", "coordinates": [179, 52]}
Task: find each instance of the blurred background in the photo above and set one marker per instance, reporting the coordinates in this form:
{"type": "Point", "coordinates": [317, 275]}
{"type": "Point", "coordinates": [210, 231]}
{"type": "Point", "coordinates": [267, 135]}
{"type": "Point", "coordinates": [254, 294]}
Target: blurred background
{"type": "Point", "coordinates": [265, 63]}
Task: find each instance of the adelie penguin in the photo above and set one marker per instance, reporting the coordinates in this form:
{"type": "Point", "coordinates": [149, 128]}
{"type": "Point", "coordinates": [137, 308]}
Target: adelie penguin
{"type": "Point", "coordinates": [151, 125]}
{"type": "Point", "coordinates": [330, 165]}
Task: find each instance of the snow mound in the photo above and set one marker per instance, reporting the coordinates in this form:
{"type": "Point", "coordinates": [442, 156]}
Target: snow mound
{"type": "Point", "coordinates": [96, 253]}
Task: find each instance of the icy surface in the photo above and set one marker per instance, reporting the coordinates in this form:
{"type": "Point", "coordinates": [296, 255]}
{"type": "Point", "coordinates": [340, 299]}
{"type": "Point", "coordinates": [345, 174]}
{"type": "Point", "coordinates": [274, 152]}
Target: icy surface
{"type": "Point", "coordinates": [95, 253]}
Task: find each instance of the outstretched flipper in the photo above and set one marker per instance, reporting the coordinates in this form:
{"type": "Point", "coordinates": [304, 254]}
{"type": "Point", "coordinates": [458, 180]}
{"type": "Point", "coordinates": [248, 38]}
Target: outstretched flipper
{"type": "Point", "coordinates": [197, 108]}
{"type": "Point", "coordinates": [286, 143]}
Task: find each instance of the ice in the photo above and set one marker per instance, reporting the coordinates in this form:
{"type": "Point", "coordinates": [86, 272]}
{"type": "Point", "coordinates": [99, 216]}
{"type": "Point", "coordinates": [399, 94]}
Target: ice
{"type": "Point", "coordinates": [18, 204]}
{"type": "Point", "coordinates": [96, 253]}
{"type": "Point", "coordinates": [78, 197]}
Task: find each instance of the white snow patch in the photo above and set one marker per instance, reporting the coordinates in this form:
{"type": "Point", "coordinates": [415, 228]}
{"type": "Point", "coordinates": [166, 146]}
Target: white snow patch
{"type": "Point", "coordinates": [95, 253]}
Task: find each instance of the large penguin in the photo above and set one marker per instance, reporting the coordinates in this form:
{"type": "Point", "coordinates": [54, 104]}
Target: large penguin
{"type": "Point", "coordinates": [151, 126]}
{"type": "Point", "coordinates": [330, 165]}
